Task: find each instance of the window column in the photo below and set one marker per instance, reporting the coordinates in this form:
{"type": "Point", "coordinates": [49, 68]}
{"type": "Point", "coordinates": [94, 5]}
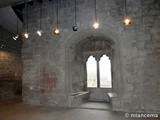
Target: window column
{"type": "Point", "coordinates": [98, 75]}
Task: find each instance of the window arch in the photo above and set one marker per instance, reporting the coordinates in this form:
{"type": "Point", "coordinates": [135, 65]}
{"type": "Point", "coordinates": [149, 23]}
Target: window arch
{"type": "Point", "coordinates": [105, 72]}
{"type": "Point", "coordinates": [99, 72]}
{"type": "Point", "coordinates": [91, 72]}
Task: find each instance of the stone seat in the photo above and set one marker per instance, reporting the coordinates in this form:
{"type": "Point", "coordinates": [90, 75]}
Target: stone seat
{"type": "Point", "coordinates": [112, 95]}
{"type": "Point", "coordinates": [114, 101]}
{"type": "Point", "coordinates": [78, 98]}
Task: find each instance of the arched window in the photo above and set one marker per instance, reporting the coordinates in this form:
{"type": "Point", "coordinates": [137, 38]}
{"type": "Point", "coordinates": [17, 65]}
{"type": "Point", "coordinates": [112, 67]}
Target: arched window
{"type": "Point", "coordinates": [99, 72]}
{"type": "Point", "coordinates": [91, 72]}
{"type": "Point", "coordinates": [105, 72]}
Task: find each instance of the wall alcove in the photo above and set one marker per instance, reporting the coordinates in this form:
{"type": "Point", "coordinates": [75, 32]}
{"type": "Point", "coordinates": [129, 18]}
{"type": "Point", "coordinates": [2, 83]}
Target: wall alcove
{"type": "Point", "coordinates": [78, 48]}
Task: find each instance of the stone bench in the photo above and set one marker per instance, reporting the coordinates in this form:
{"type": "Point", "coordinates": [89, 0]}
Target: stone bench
{"type": "Point", "coordinates": [112, 95]}
{"type": "Point", "coordinates": [76, 99]}
{"type": "Point", "coordinates": [114, 100]}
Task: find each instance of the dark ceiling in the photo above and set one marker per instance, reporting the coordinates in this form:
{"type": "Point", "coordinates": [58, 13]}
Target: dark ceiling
{"type": "Point", "coordinates": [18, 5]}
{"type": "Point", "coordinates": [18, 8]}
{"type": "Point", "coordinates": [11, 9]}
{"type": "Point", "coordinates": [4, 3]}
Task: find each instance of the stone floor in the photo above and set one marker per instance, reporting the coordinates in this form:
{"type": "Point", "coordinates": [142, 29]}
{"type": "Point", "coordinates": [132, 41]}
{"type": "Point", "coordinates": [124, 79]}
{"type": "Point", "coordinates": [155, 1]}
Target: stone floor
{"type": "Point", "coordinates": [16, 110]}
{"type": "Point", "coordinates": [95, 105]}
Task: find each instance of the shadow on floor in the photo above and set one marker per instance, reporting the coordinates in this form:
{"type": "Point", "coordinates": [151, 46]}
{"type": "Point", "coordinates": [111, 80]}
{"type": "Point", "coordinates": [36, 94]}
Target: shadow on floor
{"type": "Point", "coordinates": [95, 105]}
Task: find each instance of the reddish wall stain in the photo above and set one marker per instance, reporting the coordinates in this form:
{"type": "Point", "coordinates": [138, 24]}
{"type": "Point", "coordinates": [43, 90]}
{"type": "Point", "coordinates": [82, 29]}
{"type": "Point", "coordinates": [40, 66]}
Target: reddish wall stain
{"type": "Point", "coordinates": [48, 83]}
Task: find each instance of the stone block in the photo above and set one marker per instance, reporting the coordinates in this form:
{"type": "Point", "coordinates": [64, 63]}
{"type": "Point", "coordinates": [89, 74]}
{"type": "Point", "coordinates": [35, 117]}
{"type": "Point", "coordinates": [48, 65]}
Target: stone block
{"type": "Point", "coordinates": [144, 37]}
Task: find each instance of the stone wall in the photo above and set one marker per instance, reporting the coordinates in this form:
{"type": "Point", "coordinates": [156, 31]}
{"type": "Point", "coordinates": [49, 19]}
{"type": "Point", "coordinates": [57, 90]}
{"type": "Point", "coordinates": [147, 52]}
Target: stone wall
{"type": "Point", "coordinates": [10, 65]}
{"type": "Point", "coordinates": [48, 60]}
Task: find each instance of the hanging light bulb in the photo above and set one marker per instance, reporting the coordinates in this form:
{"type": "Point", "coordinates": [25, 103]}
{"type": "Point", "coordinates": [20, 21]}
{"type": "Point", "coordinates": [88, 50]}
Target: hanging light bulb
{"type": "Point", "coordinates": [17, 36]}
{"type": "Point", "coordinates": [39, 32]}
{"type": "Point", "coordinates": [127, 21]}
{"type": "Point", "coordinates": [26, 35]}
{"type": "Point", "coordinates": [95, 24]}
{"type": "Point", "coordinates": [56, 31]}
{"type": "Point", "coordinates": [75, 28]}
{"type": "Point", "coordinates": [2, 46]}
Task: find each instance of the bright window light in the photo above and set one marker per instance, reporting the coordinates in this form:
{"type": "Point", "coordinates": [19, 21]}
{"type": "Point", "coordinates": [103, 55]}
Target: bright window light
{"type": "Point", "coordinates": [91, 72]}
{"type": "Point", "coordinates": [105, 72]}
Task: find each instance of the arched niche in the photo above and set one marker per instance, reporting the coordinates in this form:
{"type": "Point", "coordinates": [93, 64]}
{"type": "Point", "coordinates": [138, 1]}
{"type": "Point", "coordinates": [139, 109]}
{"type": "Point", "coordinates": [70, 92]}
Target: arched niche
{"type": "Point", "coordinates": [74, 44]}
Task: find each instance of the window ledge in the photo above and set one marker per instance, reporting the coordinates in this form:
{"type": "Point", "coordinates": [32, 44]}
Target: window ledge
{"type": "Point", "coordinates": [111, 95]}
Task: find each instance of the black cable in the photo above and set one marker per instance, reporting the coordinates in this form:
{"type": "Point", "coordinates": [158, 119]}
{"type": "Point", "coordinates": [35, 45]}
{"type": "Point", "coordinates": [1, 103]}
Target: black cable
{"type": "Point", "coordinates": [2, 33]}
{"type": "Point", "coordinates": [17, 25]}
{"type": "Point", "coordinates": [27, 17]}
{"type": "Point", "coordinates": [75, 12]}
{"type": "Point", "coordinates": [2, 43]}
{"type": "Point", "coordinates": [57, 13]}
{"type": "Point", "coordinates": [40, 16]}
{"type": "Point", "coordinates": [125, 7]}
{"type": "Point", "coordinates": [96, 10]}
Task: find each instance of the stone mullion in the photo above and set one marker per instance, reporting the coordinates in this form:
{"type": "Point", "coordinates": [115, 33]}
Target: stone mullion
{"type": "Point", "coordinates": [98, 75]}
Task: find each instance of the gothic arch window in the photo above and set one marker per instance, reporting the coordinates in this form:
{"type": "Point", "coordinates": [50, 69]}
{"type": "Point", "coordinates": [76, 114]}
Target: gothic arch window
{"type": "Point", "coordinates": [105, 72]}
{"type": "Point", "coordinates": [91, 72]}
{"type": "Point", "coordinates": [99, 72]}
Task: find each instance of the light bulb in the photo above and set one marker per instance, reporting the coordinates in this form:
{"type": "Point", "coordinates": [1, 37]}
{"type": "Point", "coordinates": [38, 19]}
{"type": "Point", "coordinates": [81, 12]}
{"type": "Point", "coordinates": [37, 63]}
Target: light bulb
{"type": "Point", "coordinates": [39, 32]}
{"type": "Point", "coordinates": [26, 35]}
{"type": "Point", "coordinates": [95, 25]}
{"type": "Point", "coordinates": [75, 28]}
{"type": "Point", "coordinates": [2, 45]}
{"type": "Point", "coordinates": [16, 37]}
{"type": "Point", "coordinates": [127, 21]}
{"type": "Point", "coordinates": [56, 31]}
